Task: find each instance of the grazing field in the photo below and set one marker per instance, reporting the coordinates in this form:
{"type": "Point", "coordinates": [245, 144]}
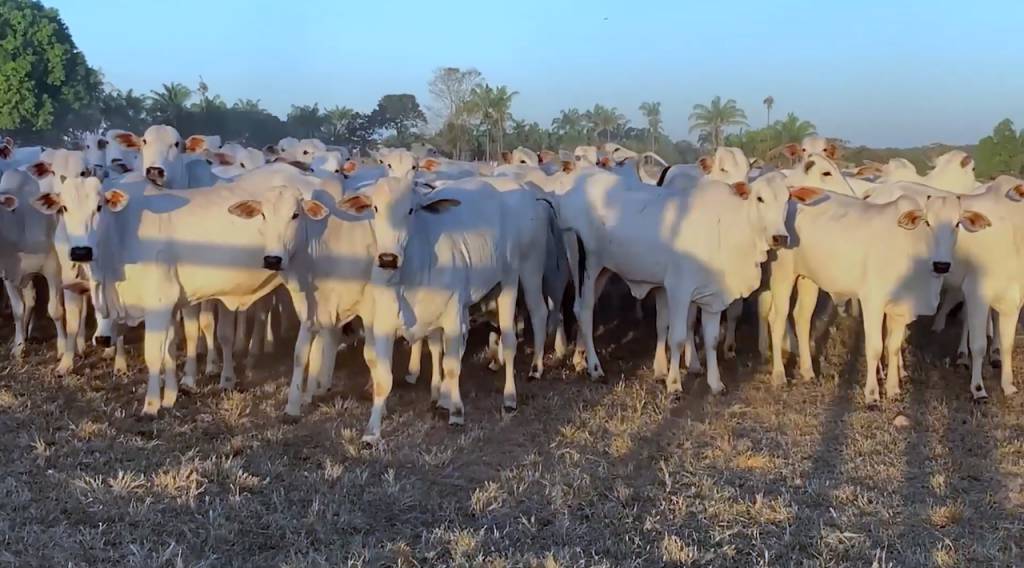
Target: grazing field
{"type": "Point", "coordinates": [584, 475]}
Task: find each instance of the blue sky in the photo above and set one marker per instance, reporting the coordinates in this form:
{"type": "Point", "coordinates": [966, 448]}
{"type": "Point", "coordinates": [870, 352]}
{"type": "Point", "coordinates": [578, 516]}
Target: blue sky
{"type": "Point", "coordinates": [874, 72]}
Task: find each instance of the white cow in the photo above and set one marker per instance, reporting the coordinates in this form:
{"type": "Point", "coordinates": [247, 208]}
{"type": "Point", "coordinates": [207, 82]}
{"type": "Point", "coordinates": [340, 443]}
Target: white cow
{"type": "Point", "coordinates": [26, 249]}
{"type": "Point", "coordinates": [702, 246]}
{"type": "Point", "coordinates": [952, 171]}
{"type": "Point", "coordinates": [729, 165]}
{"type": "Point", "coordinates": [233, 160]}
{"type": "Point", "coordinates": [437, 255]}
{"type": "Point", "coordinates": [164, 162]}
{"type": "Point", "coordinates": [891, 257]}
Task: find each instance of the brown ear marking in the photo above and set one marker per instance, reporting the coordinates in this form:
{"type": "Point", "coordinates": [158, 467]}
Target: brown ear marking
{"type": "Point", "coordinates": [40, 169]}
{"type": "Point", "coordinates": [568, 166]}
{"type": "Point", "coordinates": [792, 150]}
{"type": "Point", "coordinates": [128, 140]}
{"type": "Point", "coordinates": [805, 194]}
{"type": "Point", "coordinates": [506, 157]}
{"type": "Point", "coordinates": [705, 164]}
{"type": "Point", "coordinates": [742, 189]}
{"type": "Point", "coordinates": [357, 204]}
{"type": "Point", "coordinates": [246, 209]}
{"type": "Point", "coordinates": [430, 164]}
{"type": "Point", "coordinates": [314, 209]}
{"type": "Point", "coordinates": [910, 219]}
{"type": "Point", "coordinates": [195, 144]}
{"type": "Point", "coordinates": [965, 162]}
{"type": "Point", "coordinates": [832, 150]}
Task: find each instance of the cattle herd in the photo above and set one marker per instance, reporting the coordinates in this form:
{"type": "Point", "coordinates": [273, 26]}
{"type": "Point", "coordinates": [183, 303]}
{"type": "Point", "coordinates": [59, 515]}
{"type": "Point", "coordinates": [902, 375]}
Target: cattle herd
{"type": "Point", "coordinates": [219, 244]}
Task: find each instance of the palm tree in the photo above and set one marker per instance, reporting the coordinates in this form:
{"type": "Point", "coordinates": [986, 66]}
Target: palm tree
{"type": "Point", "coordinates": [305, 121]}
{"type": "Point", "coordinates": [769, 102]}
{"type": "Point", "coordinates": [168, 104]}
{"type": "Point", "coordinates": [491, 107]}
{"type": "Point", "coordinates": [792, 129]}
{"type": "Point", "coordinates": [716, 117]}
{"type": "Point", "coordinates": [479, 107]}
{"type": "Point", "coordinates": [652, 112]}
{"type": "Point", "coordinates": [336, 121]}
{"type": "Point", "coordinates": [248, 105]}
{"type": "Point", "coordinates": [569, 121]}
{"type": "Point", "coordinates": [606, 119]}
{"type": "Point", "coordinates": [501, 103]}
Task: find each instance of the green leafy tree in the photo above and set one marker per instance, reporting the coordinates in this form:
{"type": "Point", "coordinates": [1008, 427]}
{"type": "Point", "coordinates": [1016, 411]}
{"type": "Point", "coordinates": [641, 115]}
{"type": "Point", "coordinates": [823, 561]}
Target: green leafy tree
{"type": "Point", "coordinates": [652, 112]}
{"type": "Point", "coordinates": [715, 118]}
{"type": "Point", "coordinates": [169, 104]}
{"type": "Point", "coordinates": [125, 110]}
{"type": "Point", "coordinates": [570, 126]}
{"type": "Point", "coordinates": [400, 113]}
{"type": "Point", "coordinates": [336, 121]}
{"type": "Point", "coordinates": [45, 82]}
{"type": "Point", "coordinates": [768, 102]}
{"type": "Point", "coordinates": [450, 89]}
{"type": "Point", "coordinates": [605, 119]}
{"type": "Point", "coordinates": [792, 129]}
{"type": "Point", "coordinates": [1002, 152]}
{"type": "Point", "coordinates": [248, 105]}
{"type": "Point", "coordinates": [305, 121]}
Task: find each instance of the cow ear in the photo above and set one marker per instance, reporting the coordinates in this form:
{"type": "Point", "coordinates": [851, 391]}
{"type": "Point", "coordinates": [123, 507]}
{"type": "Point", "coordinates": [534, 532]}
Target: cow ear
{"type": "Point", "coordinates": [974, 221]}
{"type": "Point", "coordinates": [806, 195]}
{"type": "Point", "coordinates": [429, 164]}
{"type": "Point", "coordinates": [6, 151]}
{"type": "Point", "coordinates": [742, 189]}
{"type": "Point", "coordinates": [48, 202]}
{"type": "Point", "coordinates": [128, 140]}
{"type": "Point", "coordinates": [101, 143]}
{"type": "Point", "coordinates": [356, 204]}
{"type": "Point", "coordinates": [706, 163]}
{"type": "Point", "coordinates": [966, 162]}
{"type": "Point", "coordinates": [867, 170]}
{"type": "Point", "coordinates": [314, 209]}
{"type": "Point", "coordinates": [195, 144]}
{"type": "Point", "coordinates": [270, 151]}
{"type": "Point", "coordinates": [440, 205]}
{"type": "Point", "coordinates": [506, 157]}
{"type": "Point", "coordinates": [909, 220]}
{"type": "Point", "coordinates": [40, 169]}
{"type": "Point", "coordinates": [350, 167]}
{"type": "Point", "coordinates": [1016, 193]}
{"type": "Point", "coordinates": [791, 150]}
{"type": "Point", "coordinates": [9, 141]}
{"type": "Point", "coordinates": [568, 166]}
{"type": "Point", "coordinates": [221, 158]}
{"type": "Point", "coordinates": [8, 201]}
{"type": "Point", "coordinates": [116, 199]}
{"type": "Point", "coordinates": [832, 150]}
{"type": "Point", "coordinates": [246, 209]}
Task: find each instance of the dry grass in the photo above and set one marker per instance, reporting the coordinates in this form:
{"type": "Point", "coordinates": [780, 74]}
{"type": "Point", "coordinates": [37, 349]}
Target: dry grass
{"type": "Point", "coordinates": [585, 475]}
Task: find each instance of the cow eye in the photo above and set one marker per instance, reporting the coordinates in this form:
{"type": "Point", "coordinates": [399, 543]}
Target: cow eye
{"type": "Point", "coordinates": [415, 167]}
{"type": "Point", "coordinates": [760, 199]}
{"type": "Point", "coordinates": [88, 147]}
{"type": "Point", "coordinates": [99, 208]}
{"type": "Point", "coordinates": [374, 208]}
{"type": "Point", "coordinates": [337, 171]}
{"type": "Point", "coordinates": [84, 173]}
{"type": "Point", "coordinates": [143, 141]}
{"type": "Point", "coordinates": [926, 223]}
{"type": "Point", "coordinates": [177, 144]}
{"type": "Point", "coordinates": [721, 170]}
{"type": "Point", "coordinates": [61, 210]}
{"type": "Point", "coordinates": [305, 152]}
{"type": "Point", "coordinates": [957, 226]}
{"type": "Point", "coordinates": [295, 216]}
{"type": "Point", "coordinates": [242, 164]}
{"type": "Point", "coordinates": [827, 174]}
{"type": "Point", "coordinates": [411, 210]}
{"type": "Point", "coordinates": [389, 166]}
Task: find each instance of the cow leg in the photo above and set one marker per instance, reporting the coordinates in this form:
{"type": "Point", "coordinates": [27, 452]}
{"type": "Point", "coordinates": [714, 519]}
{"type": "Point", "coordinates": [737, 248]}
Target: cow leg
{"type": "Point", "coordinates": [226, 339]}
{"type": "Point", "coordinates": [897, 327]}
{"type": "Point", "coordinates": [803, 312]}
{"type": "Point", "coordinates": [660, 359]}
{"type": "Point", "coordinates": [259, 331]}
{"type": "Point", "coordinates": [208, 325]}
{"type": "Point", "coordinates": [962, 360]}
{"type": "Point", "coordinates": [28, 293]}
{"type": "Point", "coordinates": [764, 314]}
{"type": "Point", "coordinates": [158, 330]}
{"type": "Point", "coordinates": [20, 314]}
{"type": "Point", "coordinates": [533, 292]}
{"type": "Point", "coordinates": [1007, 328]}
{"type": "Point", "coordinates": [994, 356]}
{"type": "Point", "coordinates": [55, 307]}
{"type": "Point", "coordinates": [678, 328]}
{"type": "Point", "coordinates": [732, 316]}
{"type": "Point", "coordinates": [873, 317]}
{"type": "Point", "coordinates": [190, 317]}
{"type": "Point", "coordinates": [712, 322]}
{"type": "Point", "coordinates": [300, 359]}
{"type": "Point", "coordinates": [120, 357]}
{"type": "Point", "coordinates": [507, 324]}
{"type": "Point", "coordinates": [415, 362]}
{"type": "Point", "coordinates": [435, 342]}
{"type": "Point", "coordinates": [977, 318]}
{"type": "Point", "coordinates": [241, 332]}
{"type": "Point", "coordinates": [170, 394]}
{"type": "Point", "coordinates": [73, 307]}
{"type": "Point", "coordinates": [690, 357]}
{"type": "Point", "coordinates": [325, 366]}
{"type": "Point", "coordinates": [781, 293]}
{"type": "Point", "coordinates": [83, 315]}
{"type": "Point", "coordinates": [494, 361]}
{"type": "Point", "coordinates": [451, 395]}
{"type": "Point", "coordinates": [950, 299]}
{"type": "Point", "coordinates": [586, 321]}
{"type": "Point", "coordinates": [384, 344]}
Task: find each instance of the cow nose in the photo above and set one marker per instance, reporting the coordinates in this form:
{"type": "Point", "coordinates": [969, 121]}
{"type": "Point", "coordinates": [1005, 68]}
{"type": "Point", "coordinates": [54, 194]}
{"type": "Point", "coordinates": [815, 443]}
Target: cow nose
{"type": "Point", "coordinates": [81, 254]}
{"type": "Point", "coordinates": [102, 341]}
{"type": "Point", "coordinates": [941, 267]}
{"type": "Point", "coordinates": [272, 262]}
{"type": "Point", "coordinates": [779, 241]}
{"type": "Point", "coordinates": [387, 260]}
{"type": "Point", "coordinates": [154, 173]}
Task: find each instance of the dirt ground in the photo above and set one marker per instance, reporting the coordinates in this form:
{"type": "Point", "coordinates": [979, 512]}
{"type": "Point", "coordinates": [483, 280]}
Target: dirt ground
{"type": "Point", "coordinates": [584, 475]}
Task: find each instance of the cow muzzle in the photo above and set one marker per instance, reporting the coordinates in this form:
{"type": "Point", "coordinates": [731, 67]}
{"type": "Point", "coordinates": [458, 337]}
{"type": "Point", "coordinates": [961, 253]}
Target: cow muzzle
{"type": "Point", "coordinates": [80, 254]}
{"type": "Point", "coordinates": [779, 241]}
{"type": "Point", "coordinates": [103, 341]}
{"type": "Point", "coordinates": [156, 174]}
{"type": "Point", "coordinates": [941, 267]}
{"type": "Point", "coordinates": [272, 262]}
{"type": "Point", "coordinates": [387, 261]}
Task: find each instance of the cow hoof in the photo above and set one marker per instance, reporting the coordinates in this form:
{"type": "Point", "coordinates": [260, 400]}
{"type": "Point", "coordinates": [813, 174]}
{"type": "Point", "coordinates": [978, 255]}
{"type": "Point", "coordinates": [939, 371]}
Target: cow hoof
{"type": "Point", "coordinates": [981, 398]}
{"type": "Point", "coordinates": [509, 410]}
{"type": "Point", "coordinates": [1009, 390]}
{"type": "Point", "coordinates": [18, 352]}
{"type": "Point", "coordinates": [290, 419]}
{"type": "Point", "coordinates": [456, 418]}
{"type": "Point", "coordinates": [807, 375]}
{"type": "Point", "coordinates": [169, 400]}
{"type": "Point", "coordinates": [718, 389]}
{"type": "Point", "coordinates": [150, 409]}
{"type": "Point", "coordinates": [872, 405]}
{"type": "Point", "coordinates": [675, 397]}
{"type": "Point", "coordinates": [535, 374]}
{"type": "Point", "coordinates": [370, 441]}
{"type": "Point", "coordinates": [778, 378]}
{"type": "Point", "coordinates": [962, 361]}
{"type": "Point", "coordinates": [411, 378]}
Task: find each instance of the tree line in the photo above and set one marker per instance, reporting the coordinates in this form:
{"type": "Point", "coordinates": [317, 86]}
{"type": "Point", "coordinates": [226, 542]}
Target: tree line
{"type": "Point", "coordinates": [50, 95]}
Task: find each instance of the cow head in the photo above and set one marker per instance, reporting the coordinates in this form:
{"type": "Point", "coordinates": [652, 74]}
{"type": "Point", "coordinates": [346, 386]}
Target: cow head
{"type": "Point", "coordinates": [8, 201]}
{"type": "Point", "coordinates": [202, 144]}
{"type": "Point", "coordinates": [953, 171]}
{"type": "Point", "coordinates": [78, 203]}
{"type": "Point", "coordinates": [767, 199]}
{"type": "Point", "coordinates": [525, 156]}
{"type": "Point", "coordinates": [279, 210]}
{"type": "Point", "coordinates": [161, 148]}
{"type": "Point", "coordinates": [401, 163]}
{"type": "Point", "coordinates": [233, 160]}
{"type": "Point", "coordinates": [585, 155]}
{"type": "Point", "coordinates": [727, 164]}
{"type": "Point", "coordinates": [817, 170]}
{"type": "Point", "coordinates": [94, 148]}
{"type": "Point", "coordinates": [943, 217]}
{"type": "Point", "coordinates": [393, 205]}
{"type": "Point", "coordinates": [303, 150]}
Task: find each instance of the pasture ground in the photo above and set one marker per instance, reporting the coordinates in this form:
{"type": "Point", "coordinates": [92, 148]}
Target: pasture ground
{"type": "Point", "coordinates": [584, 475]}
